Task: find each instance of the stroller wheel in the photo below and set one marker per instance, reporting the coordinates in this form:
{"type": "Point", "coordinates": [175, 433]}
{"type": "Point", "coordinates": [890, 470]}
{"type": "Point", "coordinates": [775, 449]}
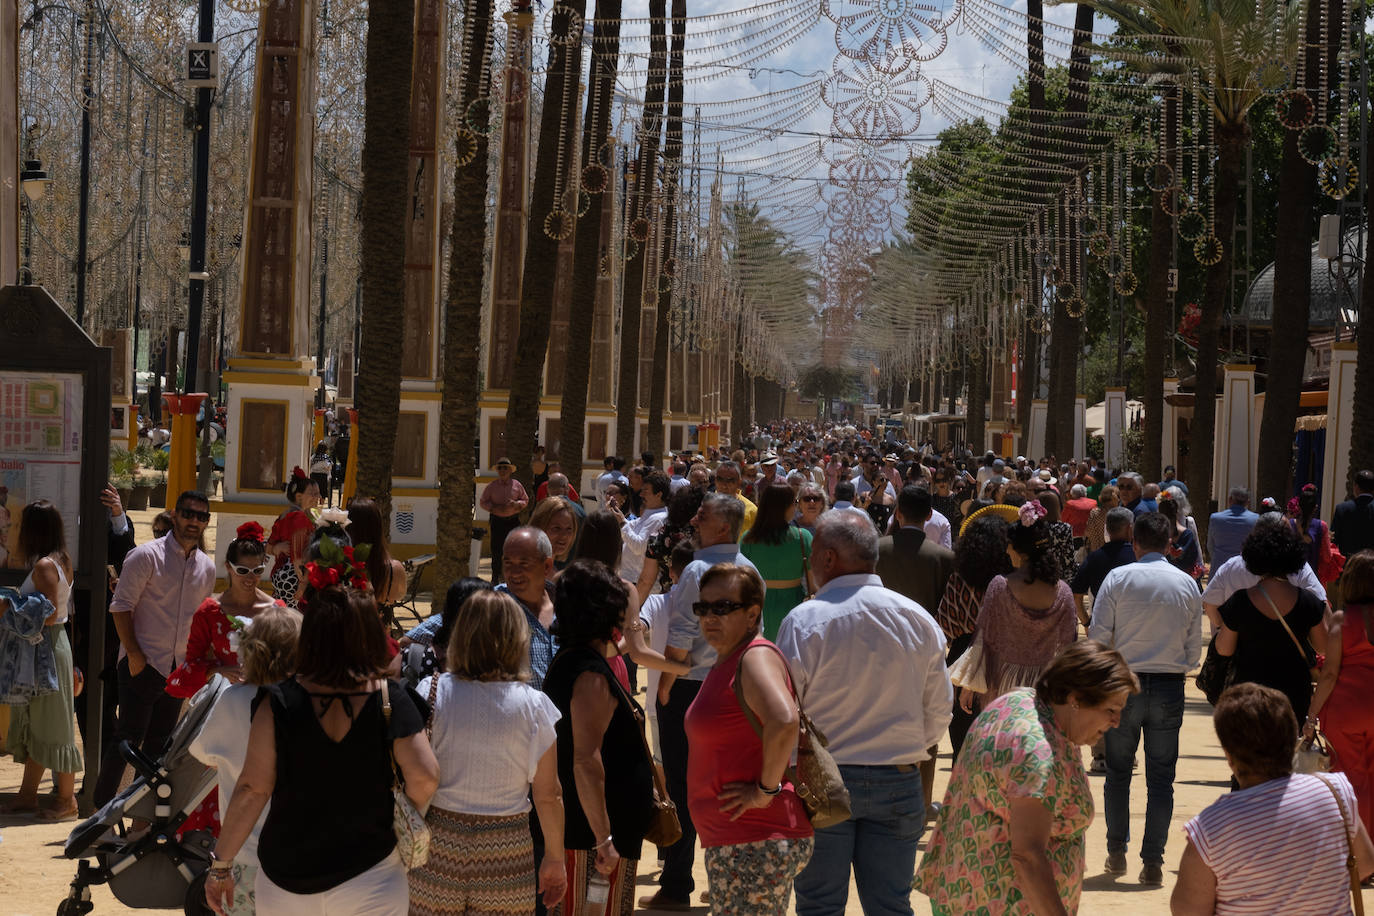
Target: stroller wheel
{"type": "Point", "coordinates": [195, 904]}
{"type": "Point", "coordinates": [70, 907]}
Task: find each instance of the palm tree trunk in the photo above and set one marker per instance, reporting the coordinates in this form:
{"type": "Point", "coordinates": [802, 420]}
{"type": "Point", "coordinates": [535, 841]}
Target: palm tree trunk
{"type": "Point", "coordinates": [632, 294]}
{"type": "Point", "coordinates": [974, 423]}
{"type": "Point", "coordinates": [739, 398]}
{"type": "Point", "coordinates": [557, 134]}
{"type": "Point", "coordinates": [1362, 419]}
{"type": "Point", "coordinates": [1231, 140]}
{"type": "Point", "coordinates": [463, 313]}
{"type": "Point", "coordinates": [587, 251]}
{"type": "Point", "coordinates": [386, 153]}
{"type": "Point", "coordinates": [1292, 283]}
{"type": "Point", "coordinates": [1159, 312]}
{"type": "Point", "coordinates": [1028, 381]}
{"type": "Point", "coordinates": [1067, 332]}
{"type": "Point", "coordinates": [672, 158]}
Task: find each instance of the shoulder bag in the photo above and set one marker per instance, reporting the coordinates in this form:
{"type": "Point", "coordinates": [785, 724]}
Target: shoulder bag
{"type": "Point", "coordinates": [1350, 862]}
{"type": "Point", "coordinates": [806, 566]}
{"type": "Point", "coordinates": [816, 777]}
{"type": "Point", "coordinates": [412, 833]}
{"type": "Point", "coordinates": [1310, 756]}
{"type": "Point", "coordinates": [1217, 673]}
{"type": "Point", "coordinates": [664, 827]}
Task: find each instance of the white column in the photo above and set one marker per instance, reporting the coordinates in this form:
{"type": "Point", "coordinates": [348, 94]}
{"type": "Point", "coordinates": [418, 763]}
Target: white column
{"type": "Point", "coordinates": [1035, 440]}
{"type": "Point", "coordinates": [1236, 423]}
{"type": "Point", "coordinates": [1339, 413]}
{"type": "Point", "coordinates": [1114, 426]}
{"type": "Point", "coordinates": [1080, 427]}
{"type": "Point", "coordinates": [1168, 442]}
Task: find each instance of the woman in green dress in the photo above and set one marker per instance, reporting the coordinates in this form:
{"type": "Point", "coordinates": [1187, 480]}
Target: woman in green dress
{"type": "Point", "coordinates": [781, 552]}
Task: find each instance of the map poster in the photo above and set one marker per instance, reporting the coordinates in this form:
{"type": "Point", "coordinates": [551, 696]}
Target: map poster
{"type": "Point", "coordinates": [40, 453]}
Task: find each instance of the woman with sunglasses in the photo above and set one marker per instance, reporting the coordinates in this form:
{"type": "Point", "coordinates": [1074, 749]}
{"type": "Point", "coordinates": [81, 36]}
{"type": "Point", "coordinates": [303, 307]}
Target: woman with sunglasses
{"type": "Point", "coordinates": [212, 646]}
{"type": "Point", "coordinates": [741, 732]}
{"type": "Point", "coordinates": [811, 502]}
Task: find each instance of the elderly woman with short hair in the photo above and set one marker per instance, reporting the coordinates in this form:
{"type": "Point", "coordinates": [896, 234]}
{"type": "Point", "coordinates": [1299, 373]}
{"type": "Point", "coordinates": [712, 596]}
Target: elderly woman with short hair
{"type": "Point", "coordinates": [741, 732]}
{"type": "Point", "coordinates": [811, 503]}
{"type": "Point", "coordinates": [1010, 836]}
{"type": "Point", "coordinates": [1278, 844]}
{"type": "Point", "coordinates": [266, 655]}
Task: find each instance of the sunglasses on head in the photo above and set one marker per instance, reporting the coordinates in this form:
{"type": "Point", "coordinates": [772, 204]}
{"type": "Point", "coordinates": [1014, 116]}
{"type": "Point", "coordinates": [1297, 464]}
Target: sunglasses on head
{"type": "Point", "coordinates": [249, 570]}
{"type": "Point", "coordinates": [719, 608]}
{"type": "Point", "coordinates": [194, 515]}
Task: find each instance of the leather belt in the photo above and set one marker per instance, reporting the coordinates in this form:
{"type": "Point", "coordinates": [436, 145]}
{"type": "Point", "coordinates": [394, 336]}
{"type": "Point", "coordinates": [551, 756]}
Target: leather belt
{"type": "Point", "coordinates": [783, 583]}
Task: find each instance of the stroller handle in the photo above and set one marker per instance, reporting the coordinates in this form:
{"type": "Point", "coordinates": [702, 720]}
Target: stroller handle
{"type": "Point", "coordinates": [138, 760]}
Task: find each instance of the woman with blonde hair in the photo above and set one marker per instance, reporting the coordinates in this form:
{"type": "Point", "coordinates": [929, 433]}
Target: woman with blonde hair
{"type": "Point", "coordinates": [266, 655]}
{"type": "Point", "coordinates": [481, 852]}
{"type": "Point", "coordinates": [555, 517]}
{"type": "Point", "coordinates": [1095, 533]}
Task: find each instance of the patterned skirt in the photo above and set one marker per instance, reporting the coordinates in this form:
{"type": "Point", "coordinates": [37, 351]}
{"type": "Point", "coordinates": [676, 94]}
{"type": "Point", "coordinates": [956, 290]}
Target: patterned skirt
{"type": "Point", "coordinates": [477, 864]}
{"type": "Point", "coordinates": [285, 583]}
{"type": "Point", "coordinates": [755, 879]}
{"type": "Point", "coordinates": [620, 899]}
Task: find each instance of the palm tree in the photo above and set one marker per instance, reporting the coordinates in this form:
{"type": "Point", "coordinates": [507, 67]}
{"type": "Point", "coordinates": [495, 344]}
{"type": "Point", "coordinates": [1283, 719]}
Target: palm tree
{"type": "Point", "coordinates": [587, 251]}
{"type": "Point", "coordinates": [672, 159]}
{"type": "Point", "coordinates": [1293, 272]}
{"type": "Point", "coordinates": [462, 313]}
{"type": "Point", "coordinates": [549, 217]}
{"type": "Point", "coordinates": [386, 154]}
{"type": "Point", "coordinates": [1210, 47]}
{"type": "Point", "coordinates": [632, 293]}
{"type": "Point", "coordinates": [1159, 311]}
{"type": "Point", "coordinates": [1066, 333]}
{"type": "Point", "coordinates": [1362, 422]}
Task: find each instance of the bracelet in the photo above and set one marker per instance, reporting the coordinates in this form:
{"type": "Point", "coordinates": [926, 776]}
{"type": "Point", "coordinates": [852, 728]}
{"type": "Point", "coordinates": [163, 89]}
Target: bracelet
{"type": "Point", "coordinates": [767, 791]}
{"type": "Point", "coordinates": [605, 842]}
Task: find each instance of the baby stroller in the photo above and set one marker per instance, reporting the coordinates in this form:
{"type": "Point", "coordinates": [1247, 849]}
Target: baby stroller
{"type": "Point", "coordinates": [150, 866]}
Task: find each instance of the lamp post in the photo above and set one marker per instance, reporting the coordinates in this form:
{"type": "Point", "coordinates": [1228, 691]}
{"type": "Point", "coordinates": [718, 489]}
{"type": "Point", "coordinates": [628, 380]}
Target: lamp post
{"type": "Point", "coordinates": [34, 182]}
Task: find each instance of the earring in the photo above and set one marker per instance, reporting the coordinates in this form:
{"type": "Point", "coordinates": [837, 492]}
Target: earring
{"type": "Point", "coordinates": [1075, 707]}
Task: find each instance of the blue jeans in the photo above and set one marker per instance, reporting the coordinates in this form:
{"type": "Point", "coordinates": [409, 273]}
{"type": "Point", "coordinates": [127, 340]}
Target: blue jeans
{"type": "Point", "coordinates": [879, 841]}
{"type": "Point", "coordinates": [1158, 711]}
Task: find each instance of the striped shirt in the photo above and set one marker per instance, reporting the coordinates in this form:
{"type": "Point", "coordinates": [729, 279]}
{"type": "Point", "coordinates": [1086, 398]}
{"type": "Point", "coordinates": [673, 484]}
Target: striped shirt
{"type": "Point", "coordinates": [1278, 847]}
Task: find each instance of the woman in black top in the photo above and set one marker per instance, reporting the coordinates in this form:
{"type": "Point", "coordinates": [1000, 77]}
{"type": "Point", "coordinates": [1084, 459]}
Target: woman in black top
{"type": "Point", "coordinates": [602, 764]}
{"type": "Point", "coordinates": [1263, 651]}
{"type": "Point", "coordinates": [320, 748]}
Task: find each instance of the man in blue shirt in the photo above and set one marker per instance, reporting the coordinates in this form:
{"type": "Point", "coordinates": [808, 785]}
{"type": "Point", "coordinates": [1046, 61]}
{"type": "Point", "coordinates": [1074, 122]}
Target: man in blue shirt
{"type": "Point", "coordinates": [1171, 480]}
{"type": "Point", "coordinates": [1149, 611]}
{"type": "Point", "coordinates": [718, 524]}
{"type": "Point", "coordinates": [1227, 530]}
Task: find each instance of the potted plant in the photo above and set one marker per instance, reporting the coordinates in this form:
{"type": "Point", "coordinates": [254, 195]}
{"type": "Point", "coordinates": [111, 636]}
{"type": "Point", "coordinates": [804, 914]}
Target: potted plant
{"type": "Point", "coordinates": [139, 495]}
{"type": "Point", "coordinates": [124, 483]}
{"type": "Point", "coordinates": [157, 497]}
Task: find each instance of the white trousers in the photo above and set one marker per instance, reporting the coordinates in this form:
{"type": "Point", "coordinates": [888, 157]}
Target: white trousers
{"type": "Point", "coordinates": [380, 891]}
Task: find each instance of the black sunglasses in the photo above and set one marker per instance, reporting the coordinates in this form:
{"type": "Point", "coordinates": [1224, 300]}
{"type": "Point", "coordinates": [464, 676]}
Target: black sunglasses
{"type": "Point", "coordinates": [809, 499]}
{"type": "Point", "coordinates": [194, 515]}
{"type": "Point", "coordinates": [719, 608]}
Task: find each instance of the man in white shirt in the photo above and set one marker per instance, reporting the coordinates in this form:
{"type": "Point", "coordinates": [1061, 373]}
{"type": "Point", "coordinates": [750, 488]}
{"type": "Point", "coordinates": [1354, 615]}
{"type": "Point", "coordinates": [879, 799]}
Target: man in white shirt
{"type": "Point", "coordinates": [869, 668]}
{"type": "Point", "coordinates": [1149, 611]}
{"type": "Point", "coordinates": [937, 529]}
{"type": "Point", "coordinates": [637, 532]}
{"type": "Point", "coordinates": [611, 474]}
{"type": "Point", "coordinates": [1232, 576]}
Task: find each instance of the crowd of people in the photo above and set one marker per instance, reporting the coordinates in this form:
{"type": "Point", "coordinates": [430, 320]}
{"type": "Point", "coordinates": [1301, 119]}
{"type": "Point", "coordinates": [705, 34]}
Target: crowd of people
{"type": "Point", "coordinates": [813, 582]}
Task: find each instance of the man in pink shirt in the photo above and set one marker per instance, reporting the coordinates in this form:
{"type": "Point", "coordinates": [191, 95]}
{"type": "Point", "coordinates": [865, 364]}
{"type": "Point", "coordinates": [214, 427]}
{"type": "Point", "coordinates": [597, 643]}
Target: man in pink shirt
{"type": "Point", "coordinates": [160, 587]}
{"type": "Point", "coordinates": [504, 499]}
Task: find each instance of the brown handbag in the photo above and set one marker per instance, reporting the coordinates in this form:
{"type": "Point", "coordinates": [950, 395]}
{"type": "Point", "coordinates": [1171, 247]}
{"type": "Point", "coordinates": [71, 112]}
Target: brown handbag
{"type": "Point", "coordinates": [816, 777]}
{"type": "Point", "coordinates": [664, 827]}
{"type": "Point", "coordinates": [1350, 863]}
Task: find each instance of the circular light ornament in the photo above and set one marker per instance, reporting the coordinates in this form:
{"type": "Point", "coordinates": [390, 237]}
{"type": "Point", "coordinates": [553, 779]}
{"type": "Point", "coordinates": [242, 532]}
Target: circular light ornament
{"type": "Point", "coordinates": [1192, 225]}
{"type": "Point", "coordinates": [1294, 109]}
{"type": "Point", "coordinates": [1126, 282]}
{"type": "Point", "coordinates": [1207, 250]}
{"type": "Point", "coordinates": [1159, 176]}
{"type": "Point", "coordinates": [1316, 143]}
{"type": "Point", "coordinates": [1074, 307]}
{"type": "Point", "coordinates": [1338, 177]}
{"type": "Point", "coordinates": [478, 116]}
{"type": "Point", "coordinates": [594, 178]}
{"type": "Point", "coordinates": [639, 229]}
{"type": "Point", "coordinates": [1273, 76]}
{"type": "Point", "coordinates": [558, 224]}
{"type": "Point", "coordinates": [1099, 244]}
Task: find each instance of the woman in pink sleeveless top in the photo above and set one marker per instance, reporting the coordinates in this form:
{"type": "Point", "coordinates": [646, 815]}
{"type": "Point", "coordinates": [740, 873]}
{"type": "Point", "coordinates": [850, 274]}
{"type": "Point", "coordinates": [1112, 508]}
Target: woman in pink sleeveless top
{"type": "Point", "coordinates": [750, 821]}
{"type": "Point", "coordinates": [1341, 701]}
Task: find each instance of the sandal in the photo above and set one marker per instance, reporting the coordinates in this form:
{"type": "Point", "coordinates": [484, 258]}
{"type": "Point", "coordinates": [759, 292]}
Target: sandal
{"type": "Point", "coordinates": [59, 814]}
{"type": "Point", "coordinates": [15, 809]}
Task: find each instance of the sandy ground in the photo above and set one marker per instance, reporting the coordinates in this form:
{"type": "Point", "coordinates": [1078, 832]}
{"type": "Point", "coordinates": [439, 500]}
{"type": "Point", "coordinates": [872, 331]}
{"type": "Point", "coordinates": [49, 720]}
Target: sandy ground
{"type": "Point", "coordinates": [34, 874]}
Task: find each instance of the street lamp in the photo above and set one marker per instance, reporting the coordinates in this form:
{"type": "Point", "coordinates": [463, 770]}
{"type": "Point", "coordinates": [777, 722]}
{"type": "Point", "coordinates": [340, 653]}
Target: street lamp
{"type": "Point", "coordinates": [34, 181]}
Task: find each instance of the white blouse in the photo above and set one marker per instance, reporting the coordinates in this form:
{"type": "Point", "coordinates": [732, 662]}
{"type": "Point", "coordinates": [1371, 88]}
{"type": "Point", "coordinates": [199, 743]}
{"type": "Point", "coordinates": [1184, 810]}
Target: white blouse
{"type": "Point", "coordinates": [489, 737]}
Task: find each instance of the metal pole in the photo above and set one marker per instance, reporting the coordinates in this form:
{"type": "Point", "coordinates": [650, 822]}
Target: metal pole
{"type": "Point", "coordinates": [200, 191]}
{"type": "Point", "coordinates": [84, 198]}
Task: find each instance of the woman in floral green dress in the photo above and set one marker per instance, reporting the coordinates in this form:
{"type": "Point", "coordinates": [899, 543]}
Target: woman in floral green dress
{"type": "Point", "coordinates": [1009, 839]}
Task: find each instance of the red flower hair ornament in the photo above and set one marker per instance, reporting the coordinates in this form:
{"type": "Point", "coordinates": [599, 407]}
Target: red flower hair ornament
{"type": "Point", "coordinates": [338, 565]}
{"type": "Point", "coordinates": [249, 531]}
